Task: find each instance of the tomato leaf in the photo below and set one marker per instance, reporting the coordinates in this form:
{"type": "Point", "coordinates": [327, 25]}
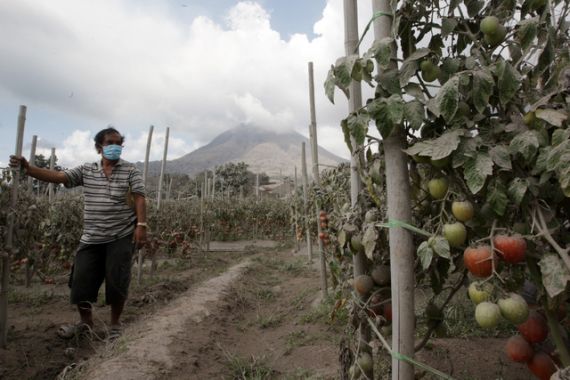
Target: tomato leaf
{"type": "Point", "coordinates": [346, 133]}
{"type": "Point", "coordinates": [552, 117]}
{"type": "Point", "coordinates": [517, 189]}
{"type": "Point", "coordinates": [526, 144]}
{"type": "Point", "coordinates": [388, 112]}
{"type": "Point", "coordinates": [369, 241]}
{"type": "Point", "coordinates": [414, 113]}
{"type": "Point", "coordinates": [438, 148]}
{"type": "Point", "coordinates": [482, 89]}
{"type": "Point", "coordinates": [527, 31]}
{"type": "Point", "coordinates": [447, 99]}
{"type": "Point", "coordinates": [440, 246]}
{"type": "Point", "coordinates": [509, 81]}
{"type": "Point", "coordinates": [357, 124]}
{"type": "Point", "coordinates": [501, 157]}
{"type": "Point", "coordinates": [476, 171]}
{"type": "Point", "coordinates": [555, 275]}
{"type": "Point", "coordinates": [497, 198]}
{"type": "Point", "coordinates": [381, 50]}
{"type": "Point", "coordinates": [330, 85]}
{"type": "Point", "coordinates": [425, 254]}
{"type": "Point", "coordinates": [343, 70]}
{"type": "Point", "coordinates": [448, 25]}
{"type": "Point", "coordinates": [554, 158]}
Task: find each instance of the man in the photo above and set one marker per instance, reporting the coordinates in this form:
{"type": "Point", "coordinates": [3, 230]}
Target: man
{"type": "Point", "coordinates": [110, 226]}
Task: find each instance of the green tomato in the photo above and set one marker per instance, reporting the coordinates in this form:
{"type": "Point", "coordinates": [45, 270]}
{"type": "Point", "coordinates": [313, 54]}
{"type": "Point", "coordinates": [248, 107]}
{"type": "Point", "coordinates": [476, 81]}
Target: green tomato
{"type": "Point", "coordinates": [529, 118]}
{"type": "Point", "coordinates": [496, 38]}
{"type": "Point", "coordinates": [480, 292]}
{"type": "Point", "coordinates": [462, 211]}
{"type": "Point", "coordinates": [487, 314]}
{"type": "Point", "coordinates": [489, 25]}
{"type": "Point", "coordinates": [438, 187]}
{"type": "Point", "coordinates": [514, 309]}
{"type": "Point", "coordinates": [365, 362]}
{"type": "Point", "coordinates": [455, 233]}
{"type": "Point", "coordinates": [441, 163]}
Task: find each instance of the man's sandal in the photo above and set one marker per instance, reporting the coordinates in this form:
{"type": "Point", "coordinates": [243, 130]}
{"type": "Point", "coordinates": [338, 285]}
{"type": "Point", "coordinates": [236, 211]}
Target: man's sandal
{"type": "Point", "coordinates": [73, 330]}
{"type": "Point", "coordinates": [115, 332]}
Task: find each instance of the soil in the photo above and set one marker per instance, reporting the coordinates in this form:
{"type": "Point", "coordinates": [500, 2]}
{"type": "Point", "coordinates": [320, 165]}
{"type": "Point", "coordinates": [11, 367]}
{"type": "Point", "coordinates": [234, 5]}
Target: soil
{"type": "Point", "coordinates": [254, 312]}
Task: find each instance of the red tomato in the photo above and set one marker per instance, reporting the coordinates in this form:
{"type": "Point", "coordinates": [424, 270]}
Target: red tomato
{"type": "Point", "coordinates": [479, 260]}
{"type": "Point", "coordinates": [512, 248]}
{"type": "Point", "coordinates": [535, 329]}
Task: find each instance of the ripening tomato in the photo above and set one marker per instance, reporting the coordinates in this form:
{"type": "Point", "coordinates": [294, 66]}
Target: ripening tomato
{"type": "Point", "coordinates": [542, 365]}
{"type": "Point", "coordinates": [534, 329]}
{"type": "Point", "coordinates": [479, 260]}
{"type": "Point", "coordinates": [518, 349]}
{"type": "Point", "coordinates": [512, 248]}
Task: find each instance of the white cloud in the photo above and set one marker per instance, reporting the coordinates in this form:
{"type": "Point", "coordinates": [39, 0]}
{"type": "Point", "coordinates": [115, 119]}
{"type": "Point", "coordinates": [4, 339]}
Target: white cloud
{"type": "Point", "coordinates": [132, 65]}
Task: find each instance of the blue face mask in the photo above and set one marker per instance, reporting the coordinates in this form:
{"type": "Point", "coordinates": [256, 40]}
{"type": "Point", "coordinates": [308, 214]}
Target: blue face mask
{"type": "Point", "coordinates": [112, 152]}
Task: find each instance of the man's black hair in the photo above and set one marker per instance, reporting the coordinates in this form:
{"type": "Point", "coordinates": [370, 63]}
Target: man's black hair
{"type": "Point", "coordinates": [100, 136]}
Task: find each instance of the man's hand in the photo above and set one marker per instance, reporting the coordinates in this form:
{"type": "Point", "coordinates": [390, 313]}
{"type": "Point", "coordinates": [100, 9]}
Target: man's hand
{"type": "Point", "coordinates": [140, 236]}
{"type": "Point", "coordinates": [19, 162]}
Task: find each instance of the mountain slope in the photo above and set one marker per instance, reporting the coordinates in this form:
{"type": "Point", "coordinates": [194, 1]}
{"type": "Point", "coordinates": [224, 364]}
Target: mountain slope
{"type": "Point", "coordinates": [266, 151]}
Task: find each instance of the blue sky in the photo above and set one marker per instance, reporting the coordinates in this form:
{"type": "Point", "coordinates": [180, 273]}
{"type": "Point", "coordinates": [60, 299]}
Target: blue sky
{"type": "Point", "coordinates": [199, 67]}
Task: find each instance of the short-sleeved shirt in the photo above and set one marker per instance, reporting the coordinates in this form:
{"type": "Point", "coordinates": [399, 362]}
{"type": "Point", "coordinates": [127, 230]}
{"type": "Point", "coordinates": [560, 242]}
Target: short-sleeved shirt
{"type": "Point", "coordinates": [107, 215]}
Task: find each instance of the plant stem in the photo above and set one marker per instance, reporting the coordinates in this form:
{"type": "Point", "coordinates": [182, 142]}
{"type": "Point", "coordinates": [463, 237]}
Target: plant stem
{"type": "Point", "coordinates": [543, 229]}
{"type": "Point", "coordinates": [556, 334]}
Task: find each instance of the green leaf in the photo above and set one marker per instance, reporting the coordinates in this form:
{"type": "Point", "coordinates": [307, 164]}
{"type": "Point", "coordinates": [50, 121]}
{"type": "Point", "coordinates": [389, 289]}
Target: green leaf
{"type": "Point", "coordinates": [415, 90]}
{"type": "Point", "coordinates": [509, 81]}
{"type": "Point", "coordinates": [526, 144]}
{"type": "Point", "coordinates": [346, 133]}
{"type": "Point", "coordinates": [369, 241]}
{"type": "Point", "coordinates": [448, 25]}
{"type": "Point", "coordinates": [425, 254]}
{"type": "Point", "coordinates": [467, 148]}
{"type": "Point", "coordinates": [527, 31]}
{"type": "Point", "coordinates": [440, 246]}
{"type": "Point", "coordinates": [556, 154]}
{"type": "Point", "coordinates": [559, 136]}
{"type": "Point", "coordinates": [477, 170]}
{"type": "Point", "coordinates": [343, 70]}
{"type": "Point", "coordinates": [551, 116]}
{"type": "Point", "coordinates": [517, 189]}
{"type": "Point", "coordinates": [555, 274]}
{"type": "Point", "coordinates": [474, 7]}
{"type": "Point", "coordinates": [330, 85]}
{"type": "Point", "coordinates": [438, 148]}
{"type": "Point", "coordinates": [482, 89]}
{"type": "Point", "coordinates": [497, 198]}
{"type": "Point", "coordinates": [418, 54]}
{"type": "Point", "coordinates": [501, 157]}
{"type": "Point", "coordinates": [548, 54]}
{"type": "Point", "coordinates": [388, 112]}
{"type": "Point", "coordinates": [390, 81]}
{"type": "Point", "coordinates": [414, 113]}
{"type": "Point", "coordinates": [407, 70]}
{"type": "Point", "coordinates": [358, 126]}
{"type": "Point", "coordinates": [381, 50]}
{"type": "Point", "coordinates": [447, 98]}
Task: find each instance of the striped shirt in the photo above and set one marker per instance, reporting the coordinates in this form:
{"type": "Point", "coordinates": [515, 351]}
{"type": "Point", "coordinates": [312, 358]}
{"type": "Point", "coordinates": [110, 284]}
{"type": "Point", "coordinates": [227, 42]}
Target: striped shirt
{"type": "Point", "coordinates": [107, 215]}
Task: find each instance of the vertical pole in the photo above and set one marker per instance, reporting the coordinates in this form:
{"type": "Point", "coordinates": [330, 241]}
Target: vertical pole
{"type": "Point", "coordinates": [51, 167]}
{"type": "Point", "coordinates": [162, 169]}
{"type": "Point", "coordinates": [296, 213]}
{"type": "Point", "coordinates": [32, 161]}
{"type": "Point", "coordinates": [305, 202]}
{"type": "Point", "coordinates": [214, 183]}
{"type": "Point", "coordinates": [169, 188]}
{"type": "Point", "coordinates": [317, 179]}
{"type": "Point", "coordinates": [400, 240]}
{"type": "Point", "coordinates": [257, 186]}
{"type": "Point", "coordinates": [10, 233]}
{"type": "Point", "coordinates": [145, 182]}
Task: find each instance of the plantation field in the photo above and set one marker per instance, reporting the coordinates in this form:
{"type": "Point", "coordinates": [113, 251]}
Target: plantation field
{"type": "Point", "coordinates": [255, 312]}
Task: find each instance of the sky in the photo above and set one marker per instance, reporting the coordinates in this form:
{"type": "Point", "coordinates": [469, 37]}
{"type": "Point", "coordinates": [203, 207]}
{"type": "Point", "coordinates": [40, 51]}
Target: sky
{"type": "Point", "coordinates": [198, 67]}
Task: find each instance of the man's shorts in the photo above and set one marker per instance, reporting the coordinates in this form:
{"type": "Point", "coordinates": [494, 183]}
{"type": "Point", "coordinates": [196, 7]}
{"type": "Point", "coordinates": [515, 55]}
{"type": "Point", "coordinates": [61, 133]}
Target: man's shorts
{"type": "Point", "coordinates": [97, 262]}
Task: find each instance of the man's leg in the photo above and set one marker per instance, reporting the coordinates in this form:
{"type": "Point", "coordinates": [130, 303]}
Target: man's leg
{"type": "Point", "coordinates": [118, 276]}
{"type": "Point", "coordinates": [85, 313]}
{"type": "Point", "coordinates": [87, 277]}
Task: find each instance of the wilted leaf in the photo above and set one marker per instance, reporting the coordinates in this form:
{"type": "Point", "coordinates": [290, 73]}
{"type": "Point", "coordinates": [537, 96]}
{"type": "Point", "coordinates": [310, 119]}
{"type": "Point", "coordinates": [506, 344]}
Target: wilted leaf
{"type": "Point", "coordinates": [482, 89]}
{"type": "Point", "coordinates": [438, 148]}
{"type": "Point", "coordinates": [477, 170]}
{"type": "Point", "coordinates": [357, 124]}
{"type": "Point", "coordinates": [509, 81]}
{"type": "Point", "coordinates": [526, 144]}
{"type": "Point", "coordinates": [425, 254]}
{"type": "Point", "coordinates": [369, 241]}
{"type": "Point", "coordinates": [381, 50]}
{"type": "Point", "coordinates": [526, 32]}
{"type": "Point", "coordinates": [330, 85]}
{"type": "Point", "coordinates": [447, 98]}
{"type": "Point", "coordinates": [551, 116]}
{"type": "Point", "coordinates": [346, 133]}
{"type": "Point", "coordinates": [517, 189]}
{"type": "Point", "coordinates": [440, 246]}
{"type": "Point", "coordinates": [389, 80]}
{"type": "Point", "coordinates": [407, 71]}
{"type": "Point", "coordinates": [414, 113]}
{"type": "Point", "coordinates": [555, 274]}
{"type": "Point", "coordinates": [501, 157]}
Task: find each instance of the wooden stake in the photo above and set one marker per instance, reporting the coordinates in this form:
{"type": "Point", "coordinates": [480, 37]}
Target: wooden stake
{"type": "Point", "coordinates": [305, 202]}
{"type": "Point", "coordinates": [51, 167]}
{"type": "Point", "coordinates": [9, 247]}
{"type": "Point", "coordinates": [162, 169]}
{"type": "Point", "coordinates": [32, 161]}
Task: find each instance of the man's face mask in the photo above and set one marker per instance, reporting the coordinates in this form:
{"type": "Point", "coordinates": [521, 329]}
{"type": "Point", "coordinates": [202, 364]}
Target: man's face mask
{"type": "Point", "coordinates": [112, 152]}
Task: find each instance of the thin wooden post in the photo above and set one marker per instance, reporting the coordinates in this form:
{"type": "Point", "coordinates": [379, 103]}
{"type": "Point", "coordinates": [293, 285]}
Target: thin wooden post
{"type": "Point", "coordinates": [51, 167]}
{"type": "Point", "coordinates": [213, 183]}
{"type": "Point", "coordinates": [305, 202]}
{"type": "Point", "coordinates": [402, 250]}
{"type": "Point", "coordinates": [32, 161]}
{"type": "Point", "coordinates": [257, 186]}
{"type": "Point", "coordinates": [169, 188]}
{"type": "Point", "coordinates": [316, 176]}
{"type": "Point", "coordinates": [296, 213]}
{"type": "Point", "coordinates": [140, 252]}
{"type": "Point", "coordinates": [162, 169]}
{"type": "Point", "coordinates": [9, 247]}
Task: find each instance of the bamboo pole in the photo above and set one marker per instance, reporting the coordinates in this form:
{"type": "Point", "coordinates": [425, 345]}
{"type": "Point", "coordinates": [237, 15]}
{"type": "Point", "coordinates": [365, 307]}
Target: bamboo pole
{"type": "Point", "coordinates": [9, 247]}
{"type": "Point", "coordinates": [305, 202]}
{"type": "Point", "coordinates": [354, 104]}
{"type": "Point", "coordinates": [213, 183]}
{"type": "Point", "coordinates": [296, 213]}
{"type": "Point", "coordinates": [51, 167]}
{"type": "Point", "coordinates": [140, 252]}
{"type": "Point", "coordinates": [400, 239]}
{"type": "Point", "coordinates": [316, 176]}
{"type": "Point", "coordinates": [162, 169]}
{"type": "Point", "coordinates": [32, 162]}
{"type": "Point", "coordinates": [257, 186]}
